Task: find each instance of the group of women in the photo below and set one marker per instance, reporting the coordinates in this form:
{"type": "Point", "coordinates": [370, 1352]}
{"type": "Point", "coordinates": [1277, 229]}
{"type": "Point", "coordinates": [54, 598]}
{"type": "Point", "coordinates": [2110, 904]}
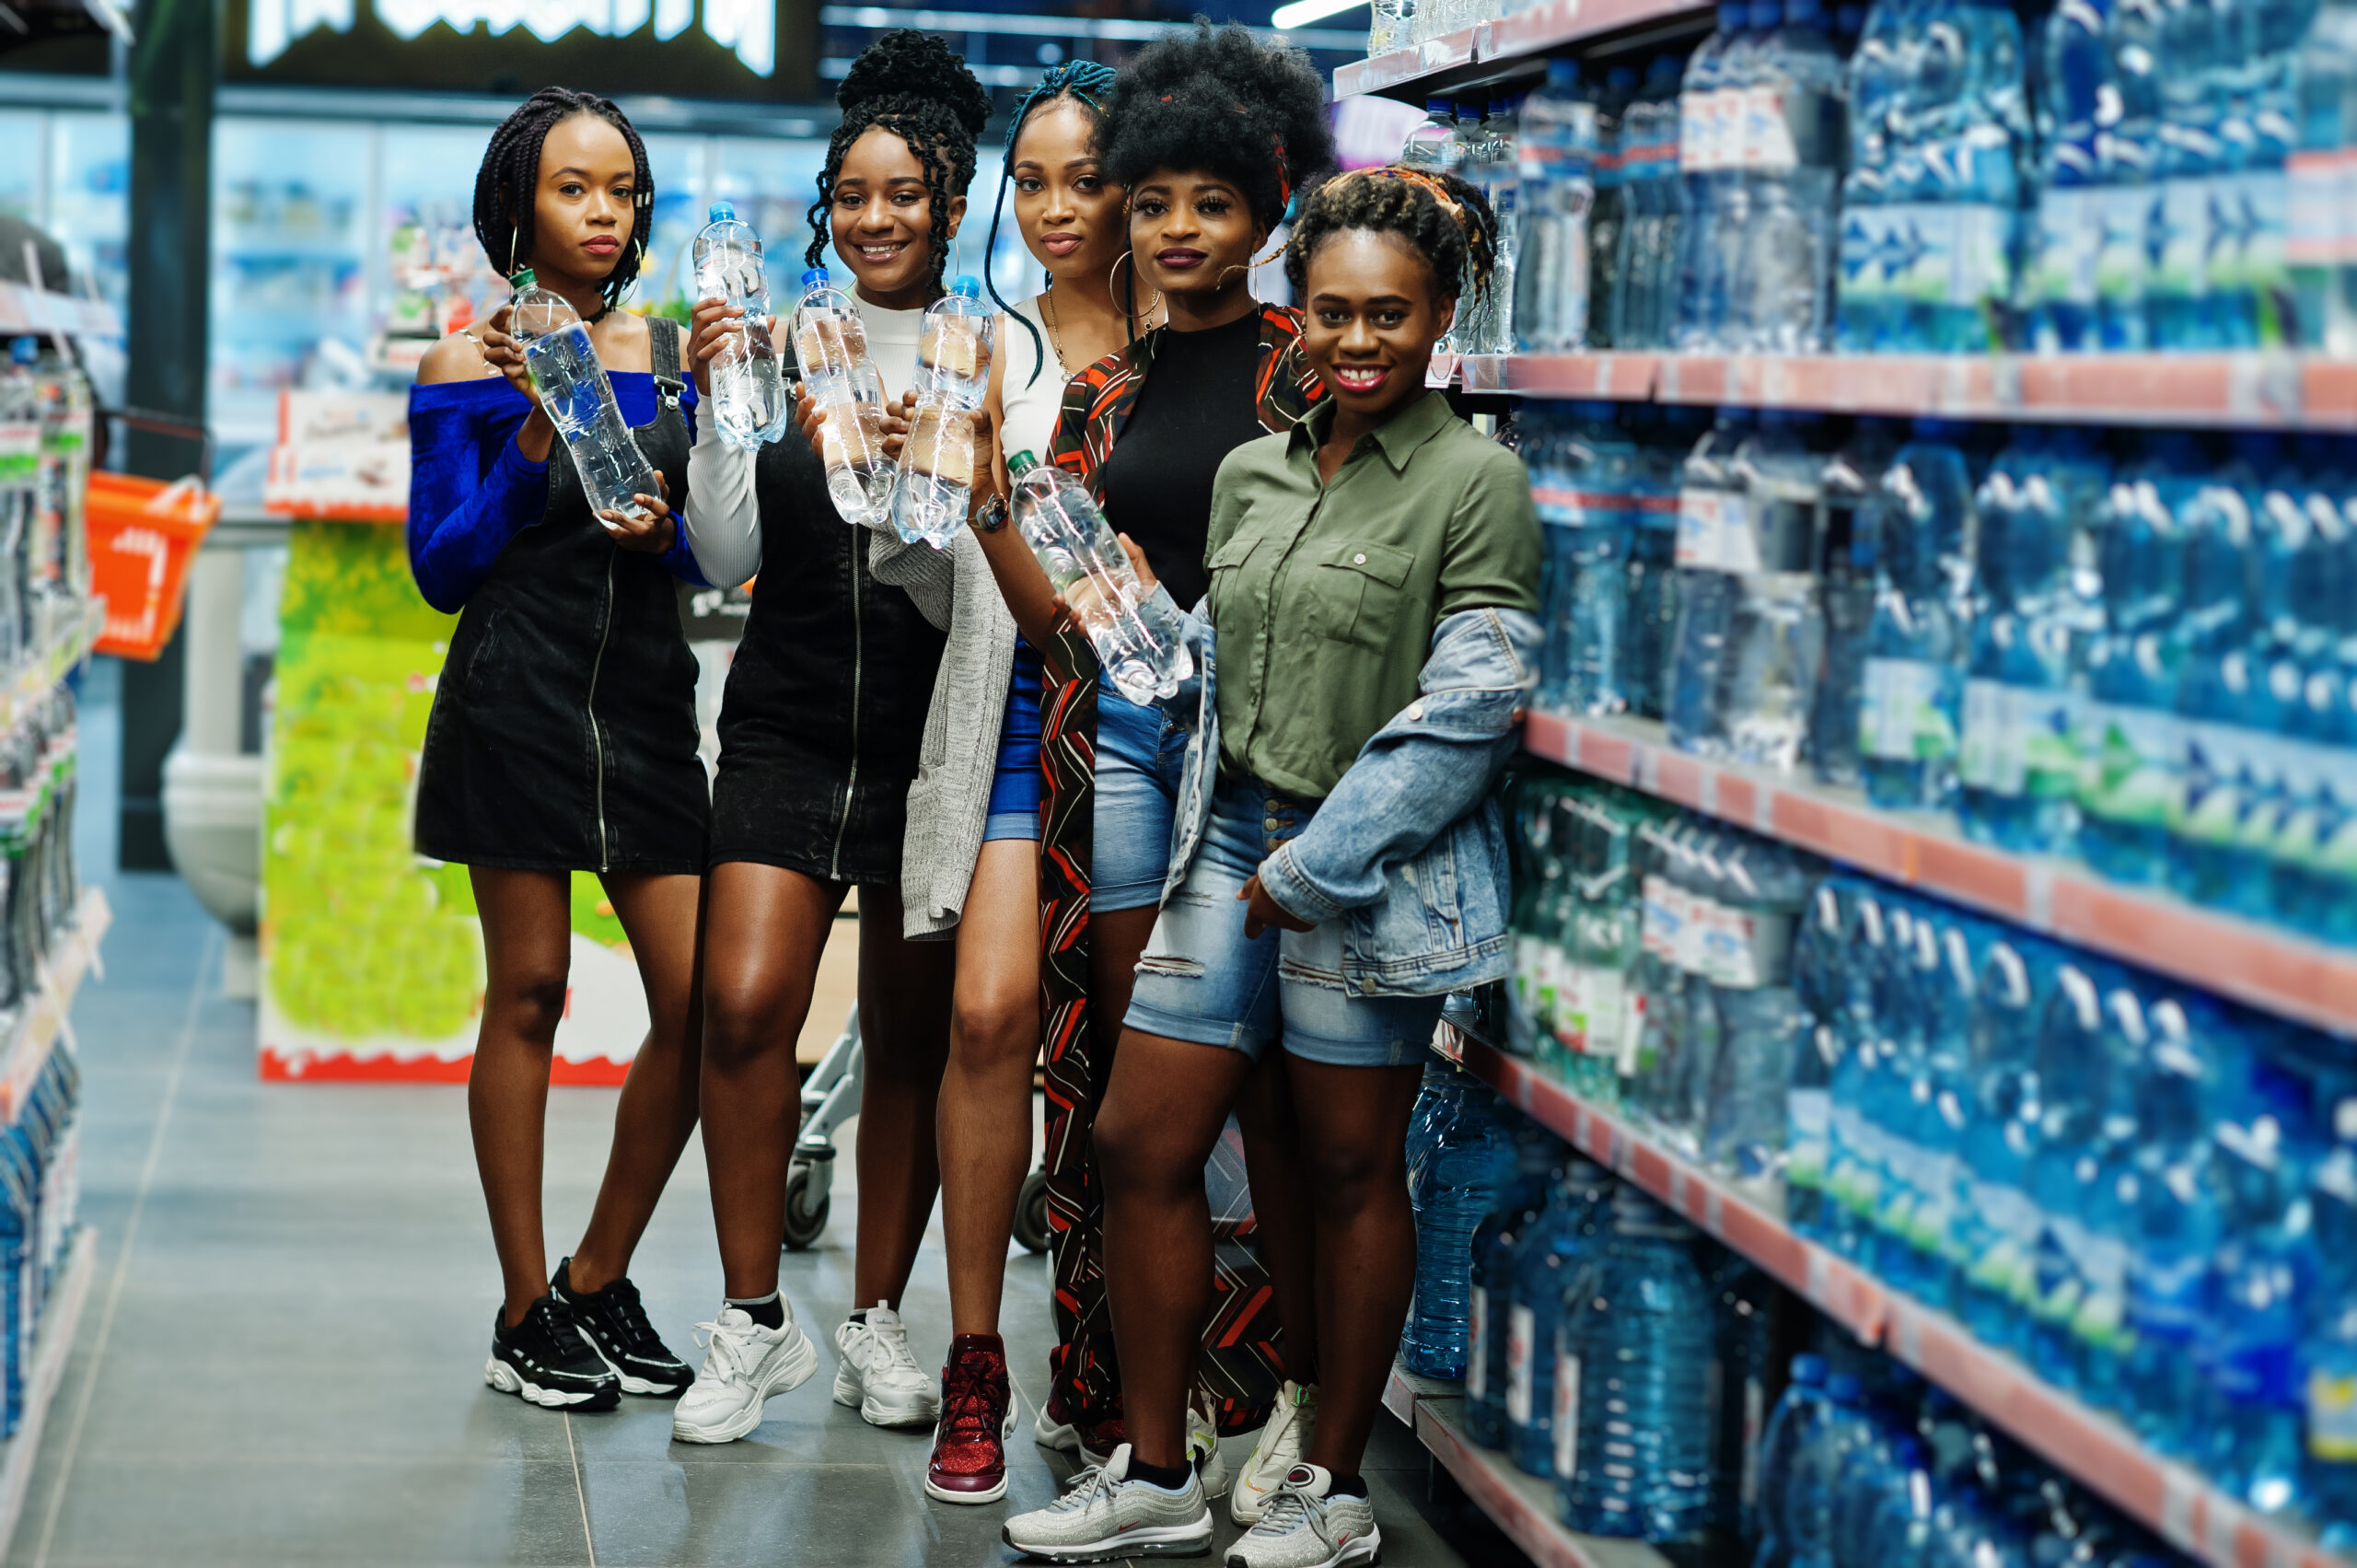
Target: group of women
{"type": "Point", "coordinates": [1297, 851]}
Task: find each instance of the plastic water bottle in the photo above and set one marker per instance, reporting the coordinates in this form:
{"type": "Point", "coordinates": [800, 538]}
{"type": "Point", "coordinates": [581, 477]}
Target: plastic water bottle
{"type": "Point", "coordinates": [1451, 1189]}
{"type": "Point", "coordinates": [1762, 1025]}
{"type": "Point", "coordinates": [1794, 1426]}
{"type": "Point", "coordinates": [1537, 1162]}
{"type": "Point", "coordinates": [1791, 157]}
{"type": "Point", "coordinates": [2322, 244]}
{"type": "Point", "coordinates": [1818, 959]}
{"type": "Point", "coordinates": [2071, 1177]}
{"type": "Point", "coordinates": [2076, 79]}
{"type": "Point", "coordinates": [1775, 637]}
{"type": "Point", "coordinates": [1608, 219]}
{"type": "Point", "coordinates": [1555, 143]}
{"type": "Point", "coordinates": [831, 343]}
{"type": "Point", "coordinates": [1998, 1222]}
{"type": "Point", "coordinates": [2328, 1350]}
{"type": "Point", "coordinates": [1433, 142]}
{"type": "Point", "coordinates": [1501, 182]}
{"type": "Point", "coordinates": [1743, 1335]}
{"type": "Point", "coordinates": [1711, 512]}
{"type": "Point", "coordinates": [1665, 438]}
{"type": "Point", "coordinates": [1913, 681]}
{"type": "Point", "coordinates": [1139, 636]}
{"type": "Point", "coordinates": [1708, 149]}
{"type": "Point", "coordinates": [936, 472]}
{"type": "Point", "coordinates": [749, 400]}
{"type": "Point", "coordinates": [2019, 765]}
{"type": "Point", "coordinates": [1633, 1446]}
{"type": "Point", "coordinates": [1584, 489]}
{"type": "Point", "coordinates": [580, 401]}
{"type": "Point", "coordinates": [1845, 563]}
{"type": "Point", "coordinates": [1559, 1242]}
{"type": "Point", "coordinates": [2179, 1217]}
{"type": "Point", "coordinates": [1813, 1496]}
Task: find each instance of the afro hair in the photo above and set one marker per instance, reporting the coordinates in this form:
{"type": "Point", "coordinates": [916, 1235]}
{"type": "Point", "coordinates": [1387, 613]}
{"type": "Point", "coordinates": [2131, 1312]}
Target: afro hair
{"type": "Point", "coordinates": [909, 84]}
{"type": "Point", "coordinates": [1223, 102]}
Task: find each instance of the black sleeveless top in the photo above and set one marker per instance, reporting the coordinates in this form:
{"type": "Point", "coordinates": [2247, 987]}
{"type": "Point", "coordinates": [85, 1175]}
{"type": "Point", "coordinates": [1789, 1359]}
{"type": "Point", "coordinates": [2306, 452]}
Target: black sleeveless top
{"type": "Point", "coordinates": [824, 713]}
{"type": "Point", "coordinates": [564, 732]}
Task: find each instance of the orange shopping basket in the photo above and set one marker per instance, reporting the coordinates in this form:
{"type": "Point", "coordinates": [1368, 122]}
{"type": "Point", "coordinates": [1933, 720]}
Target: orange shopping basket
{"type": "Point", "coordinates": [143, 532]}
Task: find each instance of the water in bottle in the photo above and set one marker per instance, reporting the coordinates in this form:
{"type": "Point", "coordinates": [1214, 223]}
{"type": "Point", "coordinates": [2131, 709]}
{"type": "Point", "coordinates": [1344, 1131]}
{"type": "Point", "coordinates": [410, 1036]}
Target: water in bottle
{"type": "Point", "coordinates": [1555, 151]}
{"type": "Point", "coordinates": [831, 346]}
{"type": "Point", "coordinates": [2180, 1213]}
{"type": "Point", "coordinates": [1451, 1188]}
{"type": "Point", "coordinates": [1139, 636]}
{"type": "Point", "coordinates": [2085, 1138]}
{"type": "Point", "coordinates": [1913, 691]}
{"type": "Point", "coordinates": [1845, 559]}
{"type": "Point", "coordinates": [1709, 158]}
{"type": "Point", "coordinates": [1793, 1428]}
{"type": "Point", "coordinates": [1583, 485]}
{"type": "Point", "coordinates": [1560, 1241]}
{"type": "Point", "coordinates": [1632, 1444]}
{"type": "Point", "coordinates": [1538, 1161]}
{"type": "Point", "coordinates": [2322, 181]}
{"type": "Point", "coordinates": [580, 401]}
{"type": "Point", "coordinates": [1501, 182]}
{"type": "Point", "coordinates": [1791, 157]}
{"type": "Point", "coordinates": [1775, 637]}
{"type": "Point", "coordinates": [936, 474]}
{"type": "Point", "coordinates": [749, 400]}
{"type": "Point", "coordinates": [1607, 218]}
{"type": "Point", "coordinates": [1762, 1027]}
{"type": "Point", "coordinates": [2328, 1351]}
{"type": "Point", "coordinates": [1711, 512]}
{"type": "Point", "coordinates": [1743, 1336]}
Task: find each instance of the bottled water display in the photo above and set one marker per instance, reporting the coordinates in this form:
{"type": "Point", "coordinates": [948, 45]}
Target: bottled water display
{"type": "Point", "coordinates": [749, 400]}
{"type": "Point", "coordinates": [1457, 1145]}
{"type": "Point", "coordinates": [1537, 1164]}
{"type": "Point", "coordinates": [580, 401]}
{"type": "Point", "coordinates": [936, 474]}
{"type": "Point", "coordinates": [1138, 636]}
{"type": "Point", "coordinates": [830, 346]}
{"type": "Point", "coordinates": [1556, 152]}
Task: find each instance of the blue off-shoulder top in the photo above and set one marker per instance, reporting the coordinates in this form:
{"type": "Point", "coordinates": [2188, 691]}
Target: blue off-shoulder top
{"type": "Point", "coordinates": [470, 490]}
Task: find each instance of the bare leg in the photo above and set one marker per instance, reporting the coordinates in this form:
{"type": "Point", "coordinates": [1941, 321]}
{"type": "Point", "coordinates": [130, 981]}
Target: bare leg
{"type": "Point", "coordinates": [657, 1108]}
{"type": "Point", "coordinates": [1353, 1144]}
{"type": "Point", "coordinates": [1162, 1113]}
{"type": "Point", "coordinates": [764, 928]}
{"type": "Point", "coordinates": [1281, 1210]}
{"type": "Point", "coordinates": [1116, 941]}
{"type": "Point", "coordinates": [904, 1032]}
{"type": "Point", "coordinates": [527, 942]}
{"type": "Point", "coordinates": [984, 1117]}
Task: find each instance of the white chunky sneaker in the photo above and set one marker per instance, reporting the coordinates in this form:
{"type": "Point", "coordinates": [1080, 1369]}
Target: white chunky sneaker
{"type": "Point", "coordinates": [1280, 1445]}
{"type": "Point", "coordinates": [1104, 1516]}
{"type": "Point", "coordinates": [1049, 1433]}
{"type": "Point", "coordinates": [1307, 1528]}
{"type": "Point", "coordinates": [878, 1375]}
{"type": "Point", "coordinates": [1213, 1461]}
{"type": "Point", "coordinates": [744, 1365]}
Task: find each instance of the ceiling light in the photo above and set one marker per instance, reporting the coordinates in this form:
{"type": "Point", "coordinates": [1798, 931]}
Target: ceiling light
{"type": "Point", "coordinates": [1301, 12]}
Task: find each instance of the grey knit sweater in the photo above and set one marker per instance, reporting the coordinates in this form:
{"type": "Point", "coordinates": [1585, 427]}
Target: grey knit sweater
{"type": "Point", "coordinates": [950, 798]}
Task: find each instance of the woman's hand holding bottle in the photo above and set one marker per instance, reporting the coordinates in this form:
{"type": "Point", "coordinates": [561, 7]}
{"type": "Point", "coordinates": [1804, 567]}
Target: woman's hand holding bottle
{"type": "Point", "coordinates": [504, 354]}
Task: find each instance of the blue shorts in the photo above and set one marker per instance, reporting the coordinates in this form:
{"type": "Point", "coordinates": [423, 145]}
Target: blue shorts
{"type": "Point", "coordinates": [1201, 980]}
{"type": "Point", "coordinates": [1016, 786]}
{"type": "Point", "coordinates": [1139, 759]}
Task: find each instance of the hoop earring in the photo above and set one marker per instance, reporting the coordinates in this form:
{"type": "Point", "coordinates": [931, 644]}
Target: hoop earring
{"type": "Point", "coordinates": [1124, 256]}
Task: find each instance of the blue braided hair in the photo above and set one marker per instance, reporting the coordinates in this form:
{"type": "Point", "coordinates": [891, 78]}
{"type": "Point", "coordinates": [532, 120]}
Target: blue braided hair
{"type": "Point", "coordinates": [1091, 83]}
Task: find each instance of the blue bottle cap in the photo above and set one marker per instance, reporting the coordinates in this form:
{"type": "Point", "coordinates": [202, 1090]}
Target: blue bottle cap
{"type": "Point", "coordinates": [1621, 78]}
{"type": "Point", "coordinates": [1732, 16]}
{"type": "Point", "coordinates": [1843, 1386]}
{"type": "Point", "coordinates": [968, 286]}
{"type": "Point", "coordinates": [814, 277]}
{"type": "Point", "coordinates": [1766, 15]}
{"type": "Point", "coordinates": [25, 350]}
{"type": "Point", "coordinates": [1438, 106]}
{"type": "Point", "coordinates": [721, 211]}
{"type": "Point", "coordinates": [1562, 74]}
{"type": "Point", "coordinates": [1808, 1368]}
{"type": "Point", "coordinates": [1933, 429]}
{"type": "Point", "coordinates": [1805, 12]}
{"type": "Point", "coordinates": [1599, 409]}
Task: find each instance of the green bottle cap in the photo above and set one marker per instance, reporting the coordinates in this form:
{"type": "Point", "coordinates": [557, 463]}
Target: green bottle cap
{"type": "Point", "coordinates": [521, 278]}
{"type": "Point", "coordinates": [1021, 463]}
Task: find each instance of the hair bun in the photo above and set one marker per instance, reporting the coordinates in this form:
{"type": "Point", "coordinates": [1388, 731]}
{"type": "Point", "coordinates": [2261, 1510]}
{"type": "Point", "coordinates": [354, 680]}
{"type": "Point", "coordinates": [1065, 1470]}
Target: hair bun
{"type": "Point", "coordinates": [916, 65]}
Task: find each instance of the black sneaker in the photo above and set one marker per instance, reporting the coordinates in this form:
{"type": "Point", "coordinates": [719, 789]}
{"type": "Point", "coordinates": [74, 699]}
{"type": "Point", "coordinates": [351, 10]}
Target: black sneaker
{"type": "Point", "coordinates": [616, 1327]}
{"type": "Point", "coordinates": [543, 1360]}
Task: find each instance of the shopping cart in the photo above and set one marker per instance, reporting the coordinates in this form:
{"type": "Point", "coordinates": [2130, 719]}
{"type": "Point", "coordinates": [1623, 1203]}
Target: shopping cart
{"type": "Point", "coordinates": [829, 1099]}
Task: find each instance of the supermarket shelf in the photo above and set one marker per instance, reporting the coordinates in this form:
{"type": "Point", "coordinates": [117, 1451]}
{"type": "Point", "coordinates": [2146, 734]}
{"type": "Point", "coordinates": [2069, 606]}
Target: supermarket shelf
{"type": "Point", "coordinates": [76, 954]}
{"type": "Point", "coordinates": [2270, 390]}
{"type": "Point", "coordinates": [2276, 970]}
{"type": "Point", "coordinates": [1523, 1506]}
{"type": "Point", "coordinates": [68, 1297]}
{"type": "Point", "coordinates": [24, 309]}
{"type": "Point", "coordinates": [39, 674]}
{"type": "Point", "coordinates": [2181, 1506]}
{"type": "Point", "coordinates": [1511, 46]}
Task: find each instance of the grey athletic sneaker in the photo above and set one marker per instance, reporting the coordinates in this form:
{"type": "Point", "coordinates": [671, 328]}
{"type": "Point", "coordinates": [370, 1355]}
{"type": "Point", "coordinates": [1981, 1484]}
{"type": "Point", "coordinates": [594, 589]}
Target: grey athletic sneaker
{"type": "Point", "coordinates": [1104, 1516]}
{"type": "Point", "coordinates": [1306, 1528]}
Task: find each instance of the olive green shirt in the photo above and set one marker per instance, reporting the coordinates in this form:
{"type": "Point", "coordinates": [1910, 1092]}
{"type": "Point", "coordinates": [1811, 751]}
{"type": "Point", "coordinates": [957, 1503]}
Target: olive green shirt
{"type": "Point", "coordinates": [1324, 596]}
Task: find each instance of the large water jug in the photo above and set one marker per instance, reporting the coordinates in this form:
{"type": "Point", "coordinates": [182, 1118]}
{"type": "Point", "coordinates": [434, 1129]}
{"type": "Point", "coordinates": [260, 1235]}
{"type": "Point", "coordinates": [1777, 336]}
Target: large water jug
{"type": "Point", "coordinates": [831, 343]}
{"type": "Point", "coordinates": [1497, 1241]}
{"type": "Point", "coordinates": [749, 400]}
{"type": "Point", "coordinates": [1559, 1242]}
{"type": "Point", "coordinates": [936, 477]}
{"type": "Point", "coordinates": [1791, 1428]}
{"type": "Point", "coordinates": [580, 401]}
{"type": "Point", "coordinates": [1139, 636]}
{"type": "Point", "coordinates": [1451, 1188]}
{"type": "Point", "coordinates": [1633, 1435]}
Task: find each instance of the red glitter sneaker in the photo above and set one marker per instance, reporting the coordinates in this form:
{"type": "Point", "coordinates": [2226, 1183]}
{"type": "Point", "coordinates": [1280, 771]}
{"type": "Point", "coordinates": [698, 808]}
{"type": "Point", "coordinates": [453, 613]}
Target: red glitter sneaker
{"type": "Point", "coordinates": [969, 1463]}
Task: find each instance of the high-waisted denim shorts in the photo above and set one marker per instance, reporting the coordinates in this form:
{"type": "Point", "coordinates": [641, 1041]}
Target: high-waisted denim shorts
{"type": "Point", "coordinates": [1139, 758]}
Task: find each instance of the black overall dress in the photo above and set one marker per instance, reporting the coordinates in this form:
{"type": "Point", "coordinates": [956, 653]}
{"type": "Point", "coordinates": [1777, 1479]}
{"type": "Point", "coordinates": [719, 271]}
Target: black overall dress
{"type": "Point", "coordinates": [563, 731]}
{"type": "Point", "coordinates": [824, 713]}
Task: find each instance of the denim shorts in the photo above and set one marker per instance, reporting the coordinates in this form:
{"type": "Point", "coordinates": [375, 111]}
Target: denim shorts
{"type": "Point", "coordinates": [1201, 980]}
{"type": "Point", "coordinates": [1139, 759]}
{"type": "Point", "coordinates": [1015, 783]}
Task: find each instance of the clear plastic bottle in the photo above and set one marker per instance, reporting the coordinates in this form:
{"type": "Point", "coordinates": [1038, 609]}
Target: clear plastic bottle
{"type": "Point", "coordinates": [935, 480]}
{"type": "Point", "coordinates": [1775, 641]}
{"type": "Point", "coordinates": [1710, 513]}
{"type": "Point", "coordinates": [1793, 1427]}
{"type": "Point", "coordinates": [1791, 153]}
{"type": "Point", "coordinates": [749, 400]}
{"type": "Point", "coordinates": [1501, 180]}
{"type": "Point", "coordinates": [2179, 1224]}
{"type": "Point", "coordinates": [1555, 150]}
{"type": "Point", "coordinates": [1998, 1222]}
{"type": "Point", "coordinates": [1844, 559]}
{"type": "Point", "coordinates": [831, 344]}
{"type": "Point", "coordinates": [1585, 499]}
{"type": "Point", "coordinates": [1913, 689]}
{"type": "Point", "coordinates": [1139, 637]}
{"type": "Point", "coordinates": [1708, 149]}
{"type": "Point", "coordinates": [1538, 1161]}
{"type": "Point", "coordinates": [1435, 143]}
{"type": "Point", "coordinates": [579, 401]}
{"type": "Point", "coordinates": [1451, 1186]}
{"type": "Point", "coordinates": [1608, 219]}
{"type": "Point", "coordinates": [1560, 1241]}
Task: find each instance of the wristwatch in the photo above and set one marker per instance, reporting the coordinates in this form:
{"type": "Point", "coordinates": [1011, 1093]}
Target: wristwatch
{"type": "Point", "coordinates": [992, 515]}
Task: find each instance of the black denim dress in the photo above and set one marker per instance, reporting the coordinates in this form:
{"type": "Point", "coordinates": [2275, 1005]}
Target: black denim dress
{"type": "Point", "coordinates": [564, 732]}
{"type": "Point", "coordinates": [824, 712]}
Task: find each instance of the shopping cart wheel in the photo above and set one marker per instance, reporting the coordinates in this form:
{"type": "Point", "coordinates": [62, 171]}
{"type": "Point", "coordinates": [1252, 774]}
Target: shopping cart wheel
{"type": "Point", "coordinates": [804, 1218]}
{"type": "Point", "coordinates": [1032, 1212]}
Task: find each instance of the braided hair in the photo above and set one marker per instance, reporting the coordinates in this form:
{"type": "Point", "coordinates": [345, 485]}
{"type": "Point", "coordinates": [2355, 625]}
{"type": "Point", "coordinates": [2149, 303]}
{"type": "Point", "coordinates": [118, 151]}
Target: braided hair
{"type": "Point", "coordinates": [909, 83]}
{"type": "Point", "coordinates": [1221, 102]}
{"type": "Point", "coordinates": [1087, 83]}
{"type": "Point", "coordinates": [510, 176]}
{"type": "Point", "coordinates": [1445, 218]}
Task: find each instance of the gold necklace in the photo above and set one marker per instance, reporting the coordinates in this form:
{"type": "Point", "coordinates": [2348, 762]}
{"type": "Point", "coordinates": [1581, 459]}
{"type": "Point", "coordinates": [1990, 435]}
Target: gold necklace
{"type": "Point", "coordinates": [1047, 311]}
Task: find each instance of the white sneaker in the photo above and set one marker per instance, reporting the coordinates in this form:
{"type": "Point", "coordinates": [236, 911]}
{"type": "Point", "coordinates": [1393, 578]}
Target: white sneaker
{"type": "Point", "coordinates": [744, 1365]}
{"type": "Point", "coordinates": [1306, 1528]}
{"type": "Point", "coordinates": [1049, 1433]}
{"type": "Point", "coordinates": [878, 1375]}
{"type": "Point", "coordinates": [1212, 1461]}
{"type": "Point", "coordinates": [1104, 1516]}
{"type": "Point", "coordinates": [1280, 1445]}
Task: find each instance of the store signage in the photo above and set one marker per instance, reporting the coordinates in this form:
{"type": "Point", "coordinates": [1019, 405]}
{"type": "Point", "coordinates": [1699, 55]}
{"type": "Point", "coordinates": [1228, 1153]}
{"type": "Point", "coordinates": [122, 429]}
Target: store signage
{"type": "Point", "coordinates": [746, 28]}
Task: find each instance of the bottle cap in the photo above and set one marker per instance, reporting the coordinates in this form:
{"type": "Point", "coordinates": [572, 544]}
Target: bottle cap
{"type": "Point", "coordinates": [521, 279]}
{"type": "Point", "coordinates": [816, 277]}
{"type": "Point", "coordinates": [25, 350]}
{"type": "Point", "coordinates": [1733, 15]}
{"type": "Point", "coordinates": [1808, 1368]}
{"type": "Point", "coordinates": [723, 211]}
{"type": "Point", "coordinates": [1843, 1386]}
{"type": "Point", "coordinates": [1805, 12]}
{"type": "Point", "coordinates": [968, 286]}
{"type": "Point", "coordinates": [1621, 78]}
{"type": "Point", "coordinates": [1562, 74]}
{"type": "Point", "coordinates": [1438, 106]}
{"type": "Point", "coordinates": [1021, 464]}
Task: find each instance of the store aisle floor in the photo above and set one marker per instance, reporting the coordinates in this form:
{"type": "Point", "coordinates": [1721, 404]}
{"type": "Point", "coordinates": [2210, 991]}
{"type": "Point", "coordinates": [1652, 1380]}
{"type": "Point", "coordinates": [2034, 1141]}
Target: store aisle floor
{"type": "Point", "coordinates": [281, 1361]}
